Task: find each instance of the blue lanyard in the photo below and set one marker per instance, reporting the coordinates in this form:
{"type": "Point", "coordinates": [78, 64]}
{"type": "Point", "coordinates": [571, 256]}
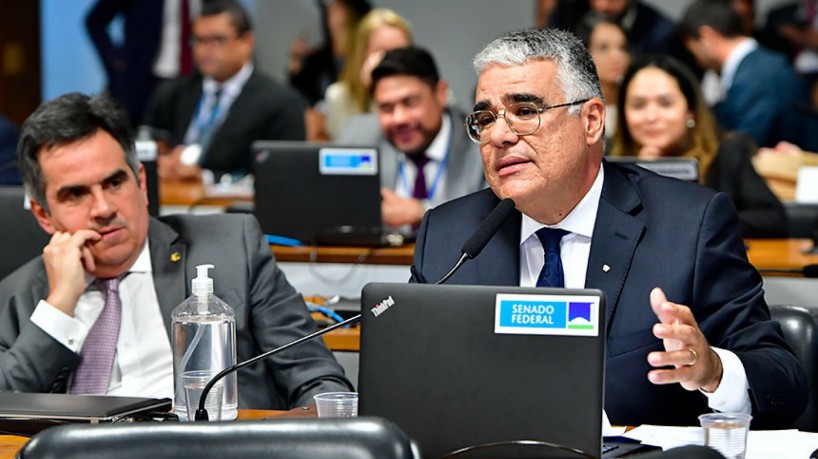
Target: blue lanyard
{"type": "Point", "coordinates": [440, 170]}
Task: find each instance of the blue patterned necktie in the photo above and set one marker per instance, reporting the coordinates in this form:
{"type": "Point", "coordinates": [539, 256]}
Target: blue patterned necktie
{"type": "Point", "coordinates": [551, 274]}
{"type": "Point", "coordinates": [93, 375]}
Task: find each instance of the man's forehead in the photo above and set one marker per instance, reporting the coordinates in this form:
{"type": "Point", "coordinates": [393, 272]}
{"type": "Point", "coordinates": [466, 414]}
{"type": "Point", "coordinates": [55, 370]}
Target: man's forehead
{"type": "Point", "coordinates": [508, 84]}
{"type": "Point", "coordinates": [399, 86]}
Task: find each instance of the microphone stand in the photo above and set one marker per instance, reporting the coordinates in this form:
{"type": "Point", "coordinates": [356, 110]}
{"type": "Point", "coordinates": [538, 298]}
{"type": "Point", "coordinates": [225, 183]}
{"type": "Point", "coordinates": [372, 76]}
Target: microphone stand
{"type": "Point", "coordinates": [201, 412]}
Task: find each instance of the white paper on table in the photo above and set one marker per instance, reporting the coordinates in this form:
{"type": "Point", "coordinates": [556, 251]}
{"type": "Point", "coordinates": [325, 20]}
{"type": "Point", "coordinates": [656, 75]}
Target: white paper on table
{"type": "Point", "coordinates": [667, 437]}
{"type": "Point", "coordinates": [608, 430]}
{"type": "Point", "coordinates": [761, 444]}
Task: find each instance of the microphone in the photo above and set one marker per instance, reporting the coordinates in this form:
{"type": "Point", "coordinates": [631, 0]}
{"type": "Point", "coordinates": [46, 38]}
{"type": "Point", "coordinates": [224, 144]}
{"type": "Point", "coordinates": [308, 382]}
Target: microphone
{"type": "Point", "coordinates": [808, 271]}
{"type": "Point", "coordinates": [481, 235]}
{"type": "Point", "coordinates": [473, 246]}
{"type": "Point", "coordinates": [201, 412]}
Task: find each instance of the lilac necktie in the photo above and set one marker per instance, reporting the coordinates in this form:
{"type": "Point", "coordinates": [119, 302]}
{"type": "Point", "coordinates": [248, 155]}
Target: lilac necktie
{"type": "Point", "coordinates": [419, 191]}
{"type": "Point", "coordinates": [93, 375]}
{"type": "Point", "coordinates": [551, 274]}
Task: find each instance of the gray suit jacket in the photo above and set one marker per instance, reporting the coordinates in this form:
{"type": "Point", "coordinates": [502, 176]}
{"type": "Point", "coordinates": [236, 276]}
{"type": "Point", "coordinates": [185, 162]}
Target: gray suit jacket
{"type": "Point", "coordinates": [464, 171]}
{"type": "Point", "coordinates": [269, 313]}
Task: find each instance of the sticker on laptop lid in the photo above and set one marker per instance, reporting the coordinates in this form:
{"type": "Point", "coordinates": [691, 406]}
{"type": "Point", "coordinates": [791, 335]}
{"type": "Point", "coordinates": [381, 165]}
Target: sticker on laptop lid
{"type": "Point", "coordinates": [348, 161]}
{"type": "Point", "coordinates": [567, 315]}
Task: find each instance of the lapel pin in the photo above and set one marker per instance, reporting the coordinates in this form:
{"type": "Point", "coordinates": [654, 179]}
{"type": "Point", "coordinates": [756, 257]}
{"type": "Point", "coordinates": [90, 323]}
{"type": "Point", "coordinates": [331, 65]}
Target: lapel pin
{"type": "Point", "coordinates": [175, 256]}
{"type": "Point", "coordinates": [606, 268]}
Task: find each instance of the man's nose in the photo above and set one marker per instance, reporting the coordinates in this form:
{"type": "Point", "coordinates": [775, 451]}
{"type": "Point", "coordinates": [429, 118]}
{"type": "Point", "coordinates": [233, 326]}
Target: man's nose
{"type": "Point", "coordinates": [500, 132]}
{"type": "Point", "coordinates": [103, 207]}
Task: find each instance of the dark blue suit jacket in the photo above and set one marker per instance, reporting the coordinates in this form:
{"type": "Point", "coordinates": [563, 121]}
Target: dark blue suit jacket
{"type": "Point", "coordinates": [129, 65]}
{"type": "Point", "coordinates": [652, 231]}
{"type": "Point", "coordinates": [264, 110]}
{"type": "Point", "coordinates": [763, 101]}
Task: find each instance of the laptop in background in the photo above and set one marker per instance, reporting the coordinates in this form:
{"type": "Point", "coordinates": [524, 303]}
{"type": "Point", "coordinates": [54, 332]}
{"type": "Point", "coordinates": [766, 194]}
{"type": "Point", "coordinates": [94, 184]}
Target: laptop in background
{"type": "Point", "coordinates": [320, 193]}
{"type": "Point", "coordinates": [457, 366]}
{"type": "Point", "coordinates": [682, 168]}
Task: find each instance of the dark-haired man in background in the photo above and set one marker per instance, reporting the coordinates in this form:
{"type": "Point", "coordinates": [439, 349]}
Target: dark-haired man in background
{"type": "Point", "coordinates": [426, 158]}
{"type": "Point", "coordinates": [761, 94]}
{"type": "Point", "coordinates": [213, 118]}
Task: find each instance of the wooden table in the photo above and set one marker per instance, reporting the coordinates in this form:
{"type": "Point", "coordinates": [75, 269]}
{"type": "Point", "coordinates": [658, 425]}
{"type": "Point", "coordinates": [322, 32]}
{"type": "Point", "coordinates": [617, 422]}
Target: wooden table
{"type": "Point", "coordinates": [192, 194]}
{"type": "Point", "coordinates": [350, 255]}
{"type": "Point", "coordinates": [788, 254]}
{"type": "Point", "coordinates": [11, 444]}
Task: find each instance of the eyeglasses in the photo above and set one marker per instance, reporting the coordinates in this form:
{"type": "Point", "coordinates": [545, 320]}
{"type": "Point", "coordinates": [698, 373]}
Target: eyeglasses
{"type": "Point", "coordinates": [523, 118]}
{"type": "Point", "coordinates": [216, 40]}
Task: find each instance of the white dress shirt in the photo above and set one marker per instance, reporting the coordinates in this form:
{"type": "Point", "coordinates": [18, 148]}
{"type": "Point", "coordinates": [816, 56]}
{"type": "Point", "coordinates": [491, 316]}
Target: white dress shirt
{"type": "Point", "coordinates": [575, 249]}
{"type": "Point", "coordinates": [435, 176]}
{"type": "Point", "coordinates": [143, 366]}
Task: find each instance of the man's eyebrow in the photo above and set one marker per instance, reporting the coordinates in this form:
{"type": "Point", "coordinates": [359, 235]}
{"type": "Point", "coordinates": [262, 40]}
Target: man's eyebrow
{"type": "Point", "coordinates": [120, 174]}
{"type": "Point", "coordinates": [509, 99]}
{"type": "Point", "coordinates": [523, 97]}
{"type": "Point", "coordinates": [66, 190]}
{"type": "Point", "coordinates": [482, 105]}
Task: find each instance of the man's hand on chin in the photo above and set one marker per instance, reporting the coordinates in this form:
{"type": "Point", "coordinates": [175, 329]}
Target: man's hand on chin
{"type": "Point", "coordinates": [67, 258]}
{"type": "Point", "coordinates": [695, 364]}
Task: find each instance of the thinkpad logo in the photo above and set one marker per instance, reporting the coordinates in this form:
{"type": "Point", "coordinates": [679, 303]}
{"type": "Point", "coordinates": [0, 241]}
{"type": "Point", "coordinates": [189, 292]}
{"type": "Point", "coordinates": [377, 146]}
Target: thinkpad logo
{"type": "Point", "coordinates": [383, 306]}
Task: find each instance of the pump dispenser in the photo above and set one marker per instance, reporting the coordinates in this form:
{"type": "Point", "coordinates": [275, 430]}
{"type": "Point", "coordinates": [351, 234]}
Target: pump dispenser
{"type": "Point", "coordinates": [203, 335]}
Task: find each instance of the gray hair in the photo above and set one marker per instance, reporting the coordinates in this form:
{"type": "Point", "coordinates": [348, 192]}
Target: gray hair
{"type": "Point", "coordinates": [64, 120]}
{"type": "Point", "coordinates": [576, 73]}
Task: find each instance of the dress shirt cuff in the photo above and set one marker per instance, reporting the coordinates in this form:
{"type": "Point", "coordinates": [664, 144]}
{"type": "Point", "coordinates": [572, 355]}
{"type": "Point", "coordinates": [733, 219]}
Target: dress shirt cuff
{"type": "Point", "coordinates": [67, 330]}
{"type": "Point", "coordinates": [733, 392]}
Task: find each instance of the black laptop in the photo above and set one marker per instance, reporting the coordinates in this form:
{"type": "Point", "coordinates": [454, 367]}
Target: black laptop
{"type": "Point", "coordinates": [30, 412]}
{"type": "Point", "coordinates": [320, 194]}
{"type": "Point", "coordinates": [457, 366]}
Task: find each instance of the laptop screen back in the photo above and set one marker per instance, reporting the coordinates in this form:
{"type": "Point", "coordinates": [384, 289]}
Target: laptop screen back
{"type": "Point", "coordinates": [456, 366]}
{"type": "Point", "coordinates": [311, 191]}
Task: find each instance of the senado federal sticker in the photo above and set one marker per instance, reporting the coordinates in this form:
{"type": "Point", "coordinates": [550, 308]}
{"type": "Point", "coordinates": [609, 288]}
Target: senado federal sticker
{"type": "Point", "coordinates": [568, 315]}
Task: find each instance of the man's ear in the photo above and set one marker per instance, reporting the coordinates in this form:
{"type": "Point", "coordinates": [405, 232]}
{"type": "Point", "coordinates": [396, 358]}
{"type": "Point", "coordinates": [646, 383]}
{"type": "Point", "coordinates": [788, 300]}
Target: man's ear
{"type": "Point", "coordinates": [42, 216]}
{"type": "Point", "coordinates": [594, 115]}
{"type": "Point", "coordinates": [442, 93]}
{"type": "Point", "coordinates": [143, 182]}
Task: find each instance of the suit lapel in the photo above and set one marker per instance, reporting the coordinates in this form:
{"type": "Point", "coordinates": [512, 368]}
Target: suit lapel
{"type": "Point", "coordinates": [456, 180]}
{"type": "Point", "coordinates": [168, 258]}
{"type": "Point", "coordinates": [616, 234]}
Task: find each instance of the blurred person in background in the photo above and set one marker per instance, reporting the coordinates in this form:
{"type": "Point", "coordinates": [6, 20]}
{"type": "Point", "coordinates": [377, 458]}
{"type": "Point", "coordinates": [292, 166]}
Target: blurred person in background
{"type": "Point", "coordinates": [380, 31]}
{"type": "Point", "coordinates": [311, 71]}
{"type": "Point", "coordinates": [608, 45]}
{"type": "Point", "coordinates": [663, 114]}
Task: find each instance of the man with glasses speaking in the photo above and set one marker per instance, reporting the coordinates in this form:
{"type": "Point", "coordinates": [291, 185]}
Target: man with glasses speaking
{"type": "Point", "coordinates": [212, 118]}
{"type": "Point", "coordinates": [688, 330]}
{"type": "Point", "coordinates": [426, 157]}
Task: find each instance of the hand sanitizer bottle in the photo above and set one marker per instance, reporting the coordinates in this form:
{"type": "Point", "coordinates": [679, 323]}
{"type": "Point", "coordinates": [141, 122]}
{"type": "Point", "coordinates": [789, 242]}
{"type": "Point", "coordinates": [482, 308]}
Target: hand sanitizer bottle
{"type": "Point", "coordinates": [203, 337]}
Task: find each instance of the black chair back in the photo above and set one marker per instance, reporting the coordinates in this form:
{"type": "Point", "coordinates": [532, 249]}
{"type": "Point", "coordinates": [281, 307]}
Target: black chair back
{"type": "Point", "coordinates": [800, 327]}
{"type": "Point", "coordinates": [21, 235]}
{"type": "Point", "coordinates": [342, 438]}
{"type": "Point", "coordinates": [803, 219]}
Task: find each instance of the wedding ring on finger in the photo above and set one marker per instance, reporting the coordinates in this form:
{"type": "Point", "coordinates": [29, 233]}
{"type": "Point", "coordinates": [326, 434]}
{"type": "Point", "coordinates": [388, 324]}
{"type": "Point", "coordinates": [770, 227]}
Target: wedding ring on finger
{"type": "Point", "coordinates": [695, 357]}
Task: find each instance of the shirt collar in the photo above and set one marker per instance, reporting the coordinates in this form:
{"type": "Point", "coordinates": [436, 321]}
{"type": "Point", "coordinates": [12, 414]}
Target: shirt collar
{"type": "Point", "coordinates": [233, 85]}
{"type": "Point", "coordinates": [579, 221]}
{"type": "Point", "coordinates": [728, 70]}
{"type": "Point", "coordinates": [142, 264]}
{"type": "Point", "coordinates": [437, 149]}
